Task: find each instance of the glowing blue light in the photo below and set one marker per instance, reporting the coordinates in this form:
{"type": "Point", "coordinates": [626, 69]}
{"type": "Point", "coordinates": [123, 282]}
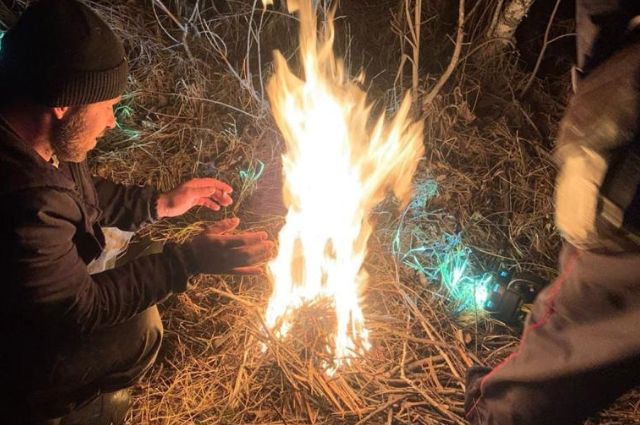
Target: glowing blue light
{"type": "Point", "coordinates": [423, 191]}
{"type": "Point", "coordinates": [253, 173]}
{"type": "Point", "coordinates": [481, 295]}
{"type": "Point", "coordinates": [445, 259]}
{"type": "Point", "coordinates": [467, 290]}
{"type": "Point", "coordinates": [124, 112]}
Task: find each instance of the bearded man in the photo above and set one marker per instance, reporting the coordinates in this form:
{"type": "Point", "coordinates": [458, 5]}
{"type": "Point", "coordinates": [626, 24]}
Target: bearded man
{"type": "Point", "coordinates": [73, 341]}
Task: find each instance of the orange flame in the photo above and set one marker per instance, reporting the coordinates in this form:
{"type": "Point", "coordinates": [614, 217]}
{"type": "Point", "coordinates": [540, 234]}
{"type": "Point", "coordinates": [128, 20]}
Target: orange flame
{"type": "Point", "coordinates": [337, 168]}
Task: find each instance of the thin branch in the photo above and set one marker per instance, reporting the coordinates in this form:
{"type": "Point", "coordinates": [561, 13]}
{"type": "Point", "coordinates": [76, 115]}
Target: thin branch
{"type": "Point", "coordinates": [454, 58]}
{"type": "Point", "coordinates": [7, 17]}
{"type": "Point", "coordinates": [184, 28]}
{"type": "Point", "coordinates": [495, 18]}
{"type": "Point", "coordinates": [416, 48]}
{"type": "Point", "coordinates": [170, 15]}
{"type": "Point", "coordinates": [201, 99]}
{"type": "Point", "coordinates": [545, 44]}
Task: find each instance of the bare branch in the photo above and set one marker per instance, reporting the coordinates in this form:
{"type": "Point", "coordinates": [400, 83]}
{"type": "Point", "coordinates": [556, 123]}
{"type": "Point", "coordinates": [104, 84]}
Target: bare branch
{"type": "Point", "coordinates": [455, 57]}
{"type": "Point", "coordinates": [7, 17]}
{"type": "Point", "coordinates": [545, 43]}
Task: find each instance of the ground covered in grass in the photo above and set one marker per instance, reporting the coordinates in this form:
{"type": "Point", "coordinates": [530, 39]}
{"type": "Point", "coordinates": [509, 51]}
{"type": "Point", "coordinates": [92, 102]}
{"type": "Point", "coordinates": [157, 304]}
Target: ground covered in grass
{"type": "Point", "coordinates": [196, 106]}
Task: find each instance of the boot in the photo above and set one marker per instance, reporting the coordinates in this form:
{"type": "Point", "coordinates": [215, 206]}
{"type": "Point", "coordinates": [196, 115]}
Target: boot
{"type": "Point", "coordinates": [107, 409]}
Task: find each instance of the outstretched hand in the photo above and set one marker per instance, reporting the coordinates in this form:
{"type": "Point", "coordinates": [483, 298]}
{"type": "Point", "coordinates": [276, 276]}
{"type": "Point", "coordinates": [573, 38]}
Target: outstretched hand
{"type": "Point", "coordinates": [216, 251]}
{"type": "Point", "coordinates": [205, 192]}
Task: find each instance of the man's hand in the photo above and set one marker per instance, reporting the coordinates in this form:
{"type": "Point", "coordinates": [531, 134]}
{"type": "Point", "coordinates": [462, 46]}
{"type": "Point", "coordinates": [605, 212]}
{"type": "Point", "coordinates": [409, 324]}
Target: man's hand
{"type": "Point", "coordinates": [210, 193]}
{"type": "Point", "coordinates": [215, 251]}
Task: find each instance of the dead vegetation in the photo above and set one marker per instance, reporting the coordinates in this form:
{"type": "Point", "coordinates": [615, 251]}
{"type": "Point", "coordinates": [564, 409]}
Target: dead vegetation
{"type": "Point", "coordinates": [196, 107]}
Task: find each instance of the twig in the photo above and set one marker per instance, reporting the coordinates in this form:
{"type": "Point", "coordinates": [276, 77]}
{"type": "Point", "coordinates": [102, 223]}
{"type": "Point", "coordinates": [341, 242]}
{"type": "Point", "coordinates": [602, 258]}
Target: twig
{"type": "Point", "coordinates": [414, 30]}
{"type": "Point", "coordinates": [7, 17]}
{"type": "Point", "coordinates": [183, 28]}
{"type": "Point", "coordinates": [495, 18]}
{"type": "Point", "coordinates": [215, 102]}
{"type": "Point", "coordinates": [392, 400]}
{"type": "Point", "coordinates": [170, 15]}
{"type": "Point", "coordinates": [545, 43]}
{"type": "Point", "coordinates": [454, 58]}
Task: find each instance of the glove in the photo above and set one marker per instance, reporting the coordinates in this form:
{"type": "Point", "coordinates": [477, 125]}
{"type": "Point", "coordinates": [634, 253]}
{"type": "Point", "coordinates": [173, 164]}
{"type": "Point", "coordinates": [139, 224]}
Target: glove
{"type": "Point", "coordinates": [217, 251]}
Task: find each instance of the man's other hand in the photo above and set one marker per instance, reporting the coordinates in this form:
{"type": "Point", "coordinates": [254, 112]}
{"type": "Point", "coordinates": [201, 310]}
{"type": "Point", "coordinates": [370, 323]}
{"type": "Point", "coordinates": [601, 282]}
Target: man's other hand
{"type": "Point", "coordinates": [206, 192]}
{"type": "Point", "coordinates": [216, 251]}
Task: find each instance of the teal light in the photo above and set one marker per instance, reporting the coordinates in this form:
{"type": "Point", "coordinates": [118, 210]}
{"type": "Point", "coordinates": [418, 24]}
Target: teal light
{"type": "Point", "coordinates": [482, 294]}
{"type": "Point", "coordinates": [123, 113]}
{"type": "Point", "coordinates": [468, 290]}
{"type": "Point", "coordinates": [253, 173]}
{"type": "Point", "coordinates": [2, 33]}
{"type": "Point", "coordinates": [442, 259]}
{"type": "Point", "coordinates": [130, 133]}
{"type": "Point", "coordinates": [424, 191]}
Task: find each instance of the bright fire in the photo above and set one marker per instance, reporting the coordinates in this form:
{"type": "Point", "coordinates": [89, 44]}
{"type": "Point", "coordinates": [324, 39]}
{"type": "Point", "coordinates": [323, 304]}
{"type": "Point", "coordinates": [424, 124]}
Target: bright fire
{"type": "Point", "coordinates": [337, 167]}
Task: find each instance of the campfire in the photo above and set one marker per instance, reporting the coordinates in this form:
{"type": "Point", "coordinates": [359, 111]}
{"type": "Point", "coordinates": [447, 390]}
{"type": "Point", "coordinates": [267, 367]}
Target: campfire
{"type": "Point", "coordinates": [339, 164]}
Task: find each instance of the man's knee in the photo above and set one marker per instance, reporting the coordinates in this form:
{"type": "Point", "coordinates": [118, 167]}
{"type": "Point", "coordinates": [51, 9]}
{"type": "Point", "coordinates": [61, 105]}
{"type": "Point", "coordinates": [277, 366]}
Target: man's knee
{"type": "Point", "coordinates": [139, 344]}
{"type": "Point", "coordinates": [152, 333]}
{"type": "Point", "coordinates": [148, 329]}
{"type": "Point", "coordinates": [109, 360]}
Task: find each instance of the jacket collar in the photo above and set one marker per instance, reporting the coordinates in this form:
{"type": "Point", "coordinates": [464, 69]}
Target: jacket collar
{"type": "Point", "coordinates": [21, 167]}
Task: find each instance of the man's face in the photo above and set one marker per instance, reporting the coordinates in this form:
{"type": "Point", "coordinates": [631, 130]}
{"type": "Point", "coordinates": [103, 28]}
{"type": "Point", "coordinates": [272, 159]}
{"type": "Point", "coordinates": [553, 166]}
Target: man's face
{"type": "Point", "coordinates": [78, 131]}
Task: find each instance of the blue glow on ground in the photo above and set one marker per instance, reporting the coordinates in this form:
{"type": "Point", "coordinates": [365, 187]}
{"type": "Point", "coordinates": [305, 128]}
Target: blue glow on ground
{"type": "Point", "coordinates": [445, 260]}
{"type": "Point", "coordinates": [251, 175]}
{"type": "Point", "coordinates": [124, 113]}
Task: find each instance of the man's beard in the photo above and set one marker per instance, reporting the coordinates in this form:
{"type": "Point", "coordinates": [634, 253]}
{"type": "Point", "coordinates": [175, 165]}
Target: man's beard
{"type": "Point", "coordinates": [65, 136]}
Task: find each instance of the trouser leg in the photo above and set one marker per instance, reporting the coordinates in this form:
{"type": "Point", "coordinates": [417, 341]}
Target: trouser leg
{"type": "Point", "coordinates": [108, 360]}
{"type": "Point", "coordinates": [580, 349]}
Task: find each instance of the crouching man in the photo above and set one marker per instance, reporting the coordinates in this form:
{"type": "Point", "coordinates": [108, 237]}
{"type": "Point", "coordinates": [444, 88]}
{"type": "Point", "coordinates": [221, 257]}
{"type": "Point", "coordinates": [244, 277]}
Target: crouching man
{"type": "Point", "coordinates": [73, 341]}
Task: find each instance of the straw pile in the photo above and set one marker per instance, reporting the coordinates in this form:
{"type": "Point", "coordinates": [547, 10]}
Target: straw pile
{"type": "Point", "coordinates": [196, 107]}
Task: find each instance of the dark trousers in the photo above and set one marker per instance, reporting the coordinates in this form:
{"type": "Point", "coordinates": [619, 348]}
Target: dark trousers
{"type": "Point", "coordinates": [77, 372]}
{"type": "Point", "coordinates": [580, 349]}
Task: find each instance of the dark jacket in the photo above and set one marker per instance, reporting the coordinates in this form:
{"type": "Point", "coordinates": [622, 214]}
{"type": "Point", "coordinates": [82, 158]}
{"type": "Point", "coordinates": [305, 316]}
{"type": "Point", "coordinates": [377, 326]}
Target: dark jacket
{"type": "Point", "coordinates": [50, 222]}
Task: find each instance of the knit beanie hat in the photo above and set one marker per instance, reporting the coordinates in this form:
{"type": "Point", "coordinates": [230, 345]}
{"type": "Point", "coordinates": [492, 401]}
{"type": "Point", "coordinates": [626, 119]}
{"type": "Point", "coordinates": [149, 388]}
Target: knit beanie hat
{"type": "Point", "coordinates": [61, 53]}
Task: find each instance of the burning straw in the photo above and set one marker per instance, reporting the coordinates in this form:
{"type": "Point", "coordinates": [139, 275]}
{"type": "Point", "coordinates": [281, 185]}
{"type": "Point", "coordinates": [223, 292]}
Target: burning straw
{"type": "Point", "coordinates": [336, 167]}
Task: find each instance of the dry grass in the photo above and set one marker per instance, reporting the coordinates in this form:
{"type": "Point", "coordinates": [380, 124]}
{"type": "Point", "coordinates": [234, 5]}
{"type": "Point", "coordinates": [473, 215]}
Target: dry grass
{"type": "Point", "coordinates": [197, 109]}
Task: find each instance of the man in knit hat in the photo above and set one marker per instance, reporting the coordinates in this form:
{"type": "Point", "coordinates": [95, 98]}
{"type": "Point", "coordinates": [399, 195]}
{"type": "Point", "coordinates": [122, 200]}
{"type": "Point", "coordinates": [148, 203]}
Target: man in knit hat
{"type": "Point", "coordinates": [73, 341]}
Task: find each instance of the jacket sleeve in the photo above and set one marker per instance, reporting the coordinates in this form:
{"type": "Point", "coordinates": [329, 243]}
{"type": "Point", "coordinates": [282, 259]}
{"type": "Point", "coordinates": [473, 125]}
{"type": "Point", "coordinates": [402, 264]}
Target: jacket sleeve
{"type": "Point", "coordinates": [52, 280]}
{"type": "Point", "coordinates": [604, 27]}
{"type": "Point", "coordinates": [125, 207]}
